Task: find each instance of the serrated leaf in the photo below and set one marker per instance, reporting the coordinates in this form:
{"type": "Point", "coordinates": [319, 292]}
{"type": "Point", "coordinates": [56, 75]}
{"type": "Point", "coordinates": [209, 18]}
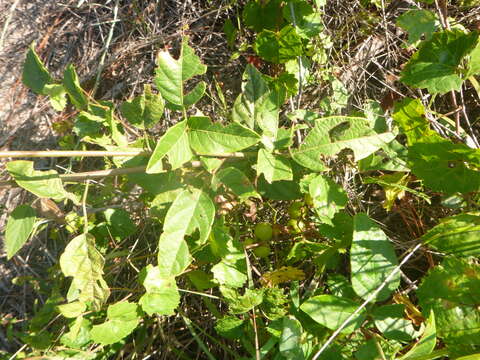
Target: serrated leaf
{"type": "Point", "coordinates": [19, 227]}
{"type": "Point", "coordinates": [457, 235]}
{"type": "Point", "coordinates": [427, 342]}
{"type": "Point", "coordinates": [145, 110]}
{"type": "Point", "coordinates": [236, 181]}
{"type": "Point", "coordinates": [123, 318]}
{"type": "Point", "coordinates": [44, 184]}
{"type": "Point", "coordinates": [35, 75]}
{"type": "Point", "coordinates": [332, 311]}
{"type": "Point", "coordinates": [162, 295]}
{"type": "Point", "coordinates": [273, 167]}
{"type": "Point", "coordinates": [174, 144]}
{"type": "Point", "coordinates": [84, 263]}
{"type": "Point", "coordinates": [418, 23]}
{"type": "Point", "coordinates": [257, 106]}
{"type": "Point", "coordinates": [435, 66]}
{"type": "Point", "coordinates": [372, 259]}
{"type": "Point", "coordinates": [279, 46]}
{"type": "Point", "coordinates": [171, 74]}
{"type": "Point", "coordinates": [73, 88]}
{"type": "Point", "coordinates": [192, 209]}
{"type": "Point", "coordinates": [240, 304]}
{"type": "Point", "coordinates": [451, 291]}
{"type": "Point", "coordinates": [333, 134]}
{"type": "Point", "coordinates": [57, 94]}
{"type": "Point", "coordinates": [212, 138]}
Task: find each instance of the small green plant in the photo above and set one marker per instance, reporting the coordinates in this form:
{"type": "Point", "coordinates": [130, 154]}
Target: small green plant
{"type": "Point", "coordinates": [325, 281]}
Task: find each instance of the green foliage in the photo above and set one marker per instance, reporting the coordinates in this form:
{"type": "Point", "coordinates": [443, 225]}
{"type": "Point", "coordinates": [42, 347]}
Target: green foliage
{"type": "Point", "coordinates": [209, 181]}
{"type": "Point", "coordinates": [19, 228]}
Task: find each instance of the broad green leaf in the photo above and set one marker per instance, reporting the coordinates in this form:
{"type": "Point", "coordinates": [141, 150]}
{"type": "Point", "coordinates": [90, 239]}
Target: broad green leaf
{"type": "Point", "coordinates": [257, 106]}
{"type": "Point", "coordinates": [78, 336]}
{"type": "Point", "coordinates": [290, 344]}
{"type": "Point", "coordinates": [333, 134]}
{"type": "Point", "coordinates": [191, 210]}
{"type": "Point", "coordinates": [389, 320]}
{"type": "Point", "coordinates": [209, 138]}
{"type": "Point", "coordinates": [228, 275]}
{"type": "Point", "coordinates": [162, 295]}
{"type": "Point", "coordinates": [174, 144]}
{"type": "Point", "coordinates": [474, 63]}
{"type": "Point", "coordinates": [230, 32]}
{"type": "Point", "coordinates": [73, 309]}
{"type": "Point", "coordinates": [171, 74]}
{"type": "Point", "coordinates": [332, 311]}
{"type": "Point", "coordinates": [19, 227]}
{"type": "Point", "coordinates": [457, 235]}
{"type": "Point", "coordinates": [435, 66]}
{"type": "Point", "coordinates": [84, 263]}
{"type": "Point", "coordinates": [145, 110]}
{"type": "Point", "coordinates": [273, 167]}
{"type": "Point", "coordinates": [230, 327]}
{"type": "Point", "coordinates": [279, 190]}
{"type": "Point", "coordinates": [236, 181]}
{"type": "Point", "coordinates": [123, 318]}
{"type": "Point", "coordinates": [44, 184]}
{"type": "Point", "coordinates": [451, 291]}
{"type": "Point", "coordinates": [372, 259]}
{"type": "Point", "coordinates": [308, 21]}
{"type": "Point", "coordinates": [427, 342]}
{"type": "Point", "coordinates": [328, 198]}
{"type": "Point", "coordinates": [418, 23]}
{"type": "Point", "coordinates": [57, 94]}
{"type": "Point", "coordinates": [259, 15]}
{"type": "Point", "coordinates": [442, 165]}
{"type": "Point", "coordinates": [35, 75]}
{"type": "Point", "coordinates": [120, 225]}
{"type": "Point", "coordinates": [73, 88]}
{"type": "Point", "coordinates": [279, 46]}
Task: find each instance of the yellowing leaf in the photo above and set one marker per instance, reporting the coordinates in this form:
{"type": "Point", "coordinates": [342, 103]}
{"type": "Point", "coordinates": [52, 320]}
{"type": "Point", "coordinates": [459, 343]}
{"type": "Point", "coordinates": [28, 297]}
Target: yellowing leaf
{"type": "Point", "coordinates": [282, 275]}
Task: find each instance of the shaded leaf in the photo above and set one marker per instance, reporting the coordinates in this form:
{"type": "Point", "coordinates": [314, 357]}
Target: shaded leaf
{"type": "Point", "coordinates": [35, 75]}
{"type": "Point", "coordinates": [72, 86]}
{"type": "Point", "coordinates": [427, 342]}
{"type": "Point", "coordinates": [418, 23]}
{"type": "Point", "coordinates": [236, 181]}
{"type": "Point", "coordinates": [145, 110]}
{"type": "Point", "coordinates": [273, 167]}
{"type": "Point", "coordinates": [279, 47]}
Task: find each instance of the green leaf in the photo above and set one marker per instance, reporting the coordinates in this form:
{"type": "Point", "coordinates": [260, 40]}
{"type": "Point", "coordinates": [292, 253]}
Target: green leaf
{"type": "Point", "coordinates": [273, 167]}
{"type": "Point", "coordinates": [328, 198]}
{"type": "Point", "coordinates": [308, 21]}
{"type": "Point", "coordinates": [418, 23]}
{"type": "Point", "coordinates": [78, 336]}
{"type": "Point", "coordinates": [372, 259]}
{"type": "Point", "coordinates": [35, 75]}
{"type": "Point", "coordinates": [173, 143]}
{"type": "Point", "coordinates": [333, 134]}
{"type": "Point", "coordinates": [119, 223]}
{"type": "Point", "coordinates": [230, 327]}
{"type": "Point", "coordinates": [84, 263]}
{"type": "Point", "coordinates": [279, 47]}
{"type": "Point", "coordinates": [208, 138]}
{"type": "Point", "coordinates": [145, 110]}
{"type": "Point", "coordinates": [435, 66]}
{"type": "Point", "coordinates": [57, 95]}
{"type": "Point", "coordinates": [332, 311]}
{"type": "Point", "coordinates": [240, 304]}
{"type": "Point", "coordinates": [290, 344]}
{"type": "Point", "coordinates": [123, 318]}
{"type": "Point", "coordinates": [389, 320]}
{"type": "Point", "coordinates": [257, 106]}
{"type": "Point", "coordinates": [171, 74]}
{"type": "Point", "coordinates": [162, 295]}
{"type": "Point", "coordinates": [457, 235]}
{"type": "Point", "coordinates": [73, 309]}
{"type": "Point", "coordinates": [230, 32]}
{"type": "Point", "coordinates": [227, 274]}
{"type": "Point", "coordinates": [44, 184]}
{"type": "Point", "coordinates": [474, 63]}
{"type": "Point", "coordinates": [236, 181]}
{"type": "Point", "coordinates": [19, 228]}
{"type": "Point", "coordinates": [263, 15]}
{"type": "Point", "coordinates": [73, 88]}
{"type": "Point", "coordinates": [451, 291]}
{"type": "Point", "coordinates": [427, 342]}
{"type": "Point", "coordinates": [192, 209]}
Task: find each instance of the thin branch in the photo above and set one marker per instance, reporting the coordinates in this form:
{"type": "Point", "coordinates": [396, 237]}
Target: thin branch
{"type": "Point", "coordinates": [62, 153]}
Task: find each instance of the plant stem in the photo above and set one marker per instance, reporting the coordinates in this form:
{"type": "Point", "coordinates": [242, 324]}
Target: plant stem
{"type": "Point", "coordinates": [69, 153]}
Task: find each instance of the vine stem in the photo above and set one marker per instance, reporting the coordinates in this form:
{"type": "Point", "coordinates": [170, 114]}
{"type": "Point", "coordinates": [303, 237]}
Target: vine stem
{"type": "Point", "coordinates": [365, 303]}
{"type": "Point", "coordinates": [69, 153]}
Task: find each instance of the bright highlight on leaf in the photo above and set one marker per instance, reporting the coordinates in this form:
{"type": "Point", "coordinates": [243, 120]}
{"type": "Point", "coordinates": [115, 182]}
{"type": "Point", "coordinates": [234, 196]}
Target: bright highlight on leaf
{"type": "Point", "coordinates": [19, 227]}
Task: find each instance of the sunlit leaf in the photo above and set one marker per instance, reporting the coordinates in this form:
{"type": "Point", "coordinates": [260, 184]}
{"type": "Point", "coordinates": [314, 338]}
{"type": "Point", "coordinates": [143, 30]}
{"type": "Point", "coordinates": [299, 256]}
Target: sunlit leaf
{"type": "Point", "coordinates": [427, 342]}
{"type": "Point", "coordinates": [290, 344]}
{"type": "Point", "coordinates": [72, 86]}
{"type": "Point", "coordinates": [162, 295]}
{"type": "Point", "coordinates": [19, 227]}
{"type": "Point", "coordinates": [35, 75]}
{"type": "Point", "coordinates": [145, 110]}
{"type": "Point", "coordinates": [273, 167]}
{"type": "Point", "coordinates": [236, 181]}
{"type": "Point", "coordinates": [372, 259]}
{"type": "Point", "coordinates": [418, 23]}
{"type": "Point", "coordinates": [279, 46]}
